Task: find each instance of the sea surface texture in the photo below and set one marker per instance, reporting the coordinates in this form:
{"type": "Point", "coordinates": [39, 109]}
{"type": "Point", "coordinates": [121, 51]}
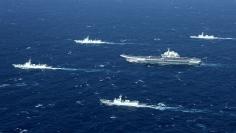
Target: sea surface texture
{"type": "Point", "coordinates": [66, 97]}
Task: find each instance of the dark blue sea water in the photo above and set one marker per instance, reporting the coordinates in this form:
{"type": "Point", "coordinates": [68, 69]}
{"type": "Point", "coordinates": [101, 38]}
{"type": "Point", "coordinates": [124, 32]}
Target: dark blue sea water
{"type": "Point", "coordinates": [57, 101]}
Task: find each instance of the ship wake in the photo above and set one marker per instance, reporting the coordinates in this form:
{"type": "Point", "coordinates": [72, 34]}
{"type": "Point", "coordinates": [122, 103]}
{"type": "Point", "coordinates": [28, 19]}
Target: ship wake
{"type": "Point", "coordinates": [211, 65]}
{"type": "Point", "coordinates": [135, 104]}
{"type": "Point", "coordinates": [221, 38]}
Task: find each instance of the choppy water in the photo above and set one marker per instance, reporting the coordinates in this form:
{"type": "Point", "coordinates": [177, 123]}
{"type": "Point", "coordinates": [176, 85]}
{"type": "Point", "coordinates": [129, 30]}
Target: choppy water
{"type": "Point", "coordinates": [40, 101]}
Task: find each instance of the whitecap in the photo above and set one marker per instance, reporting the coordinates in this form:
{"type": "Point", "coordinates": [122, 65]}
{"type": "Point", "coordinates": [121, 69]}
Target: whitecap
{"type": "Point", "coordinates": [178, 77]}
{"type": "Point", "coordinates": [102, 65]}
{"type": "Point", "coordinates": [156, 39]}
{"type": "Point", "coordinates": [51, 105]}
{"type": "Point", "coordinates": [22, 130]}
{"type": "Point", "coordinates": [25, 112]}
{"type": "Point", "coordinates": [38, 105]}
{"type": "Point", "coordinates": [89, 26]}
{"type": "Point", "coordinates": [113, 117]}
{"type": "Point", "coordinates": [20, 84]}
{"type": "Point", "coordinates": [79, 102]}
{"type": "Point", "coordinates": [4, 85]}
{"type": "Point", "coordinates": [69, 52]}
{"type": "Point", "coordinates": [139, 81]}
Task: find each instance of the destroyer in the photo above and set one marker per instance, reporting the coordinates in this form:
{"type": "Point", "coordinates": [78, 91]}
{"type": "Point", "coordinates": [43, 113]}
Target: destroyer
{"type": "Point", "coordinates": [210, 37]}
{"type": "Point", "coordinates": [203, 36]}
{"type": "Point", "coordinates": [29, 65]}
{"type": "Point", "coordinates": [87, 40]}
{"type": "Point", "coordinates": [128, 103]}
{"type": "Point", "coordinates": [120, 102]}
{"type": "Point", "coordinates": [168, 58]}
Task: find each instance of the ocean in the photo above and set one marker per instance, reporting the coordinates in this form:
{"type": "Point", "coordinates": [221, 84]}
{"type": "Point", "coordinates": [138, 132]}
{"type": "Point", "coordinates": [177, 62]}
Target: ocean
{"type": "Point", "coordinates": [196, 99]}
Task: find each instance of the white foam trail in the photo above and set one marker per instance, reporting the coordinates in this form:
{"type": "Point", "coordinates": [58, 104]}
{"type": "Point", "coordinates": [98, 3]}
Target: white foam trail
{"type": "Point", "coordinates": [28, 65]}
{"type": "Point", "coordinates": [117, 43]}
{"type": "Point", "coordinates": [210, 37]}
{"type": "Point", "coordinates": [160, 106]}
{"type": "Point", "coordinates": [226, 38]}
{"type": "Point", "coordinates": [211, 65]}
{"type": "Point", "coordinates": [90, 70]}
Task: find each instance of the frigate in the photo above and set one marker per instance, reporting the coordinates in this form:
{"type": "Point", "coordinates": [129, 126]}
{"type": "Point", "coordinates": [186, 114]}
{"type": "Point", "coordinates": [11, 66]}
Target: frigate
{"type": "Point", "coordinates": [120, 102]}
{"type": "Point", "coordinates": [204, 36]}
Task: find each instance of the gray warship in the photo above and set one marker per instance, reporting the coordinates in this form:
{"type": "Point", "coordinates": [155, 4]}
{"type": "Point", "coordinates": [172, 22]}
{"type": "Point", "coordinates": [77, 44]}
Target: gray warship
{"type": "Point", "coordinates": [167, 58]}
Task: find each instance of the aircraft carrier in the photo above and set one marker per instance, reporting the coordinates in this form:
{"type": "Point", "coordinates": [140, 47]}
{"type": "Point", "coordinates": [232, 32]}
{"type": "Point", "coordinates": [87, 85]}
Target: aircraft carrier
{"type": "Point", "coordinates": [167, 58]}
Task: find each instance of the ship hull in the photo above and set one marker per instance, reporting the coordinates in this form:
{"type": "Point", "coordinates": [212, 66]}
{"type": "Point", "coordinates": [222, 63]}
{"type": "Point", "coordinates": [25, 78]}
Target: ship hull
{"type": "Point", "coordinates": [162, 61]}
